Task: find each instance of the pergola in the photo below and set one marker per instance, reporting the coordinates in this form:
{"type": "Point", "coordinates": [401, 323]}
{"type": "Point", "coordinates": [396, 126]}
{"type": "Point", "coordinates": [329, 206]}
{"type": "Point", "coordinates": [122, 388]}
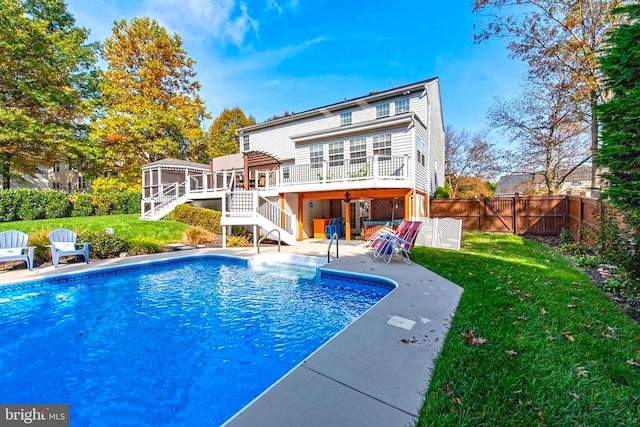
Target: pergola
{"type": "Point", "coordinates": [257, 161]}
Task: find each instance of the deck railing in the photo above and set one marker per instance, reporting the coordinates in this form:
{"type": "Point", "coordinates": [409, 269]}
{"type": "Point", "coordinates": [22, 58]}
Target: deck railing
{"type": "Point", "coordinates": [347, 170]}
{"type": "Point", "coordinates": [365, 168]}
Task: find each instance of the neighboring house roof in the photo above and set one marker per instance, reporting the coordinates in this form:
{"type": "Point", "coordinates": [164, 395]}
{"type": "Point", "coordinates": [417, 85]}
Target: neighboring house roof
{"type": "Point", "coordinates": [527, 182]}
{"type": "Point", "coordinates": [372, 97]}
{"type": "Point", "coordinates": [176, 162]}
{"type": "Point", "coordinates": [516, 183]}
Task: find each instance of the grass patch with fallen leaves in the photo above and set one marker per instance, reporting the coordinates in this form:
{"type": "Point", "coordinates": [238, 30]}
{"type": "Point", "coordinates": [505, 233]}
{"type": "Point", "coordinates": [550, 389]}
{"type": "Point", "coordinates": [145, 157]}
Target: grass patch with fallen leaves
{"type": "Point", "coordinates": [533, 342]}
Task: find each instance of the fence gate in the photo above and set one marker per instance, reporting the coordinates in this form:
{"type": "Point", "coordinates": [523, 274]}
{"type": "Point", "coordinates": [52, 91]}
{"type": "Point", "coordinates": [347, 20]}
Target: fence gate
{"type": "Point", "coordinates": [497, 215]}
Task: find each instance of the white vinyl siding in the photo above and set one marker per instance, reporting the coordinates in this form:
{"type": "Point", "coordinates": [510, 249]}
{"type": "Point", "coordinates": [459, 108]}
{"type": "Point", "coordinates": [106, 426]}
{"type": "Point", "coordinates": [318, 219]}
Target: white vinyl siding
{"type": "Point", "coordinates": [345, 119]}
{"type": "Point", "coordinates": [382, 145]}
{"type": "Point", "coordinates": [358, 150]}
{"type": "Point", "coordinates": [382, 110]}
{"type": "Point", "coordinates": [336, 153]}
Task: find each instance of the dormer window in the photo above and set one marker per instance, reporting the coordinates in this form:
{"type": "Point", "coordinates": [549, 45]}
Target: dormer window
{"type": "Point", "coordinates": [402, 106]}
{"type": "Point", "coordinates": [382, 110]}
{"type": "Point", "coordinates": [345, 119]}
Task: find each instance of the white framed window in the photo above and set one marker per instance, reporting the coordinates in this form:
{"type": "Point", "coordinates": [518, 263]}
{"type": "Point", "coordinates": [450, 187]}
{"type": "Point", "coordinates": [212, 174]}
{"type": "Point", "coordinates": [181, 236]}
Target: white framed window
{"type": "Point", "coordinates": [56, 167]}
{"type": "Point", "coordinates": [286, 172]}
{"type": "Point", "coordinates": [82, 184]}
{"type": "Point", "coordinates": [345, 119]}
{"type": "Point", "coordinates": [336, 153]}
{"type": "Point", "coordinates": [382, 110]}
{"type": "Point", "coordinates": [382, 145]}
{"type": "Point", "coordinates": [402, 106]}
{"type": "Point", "coordinates": [358, 150]}
{"type": "Point", "coordinates": [245, 142]}
{"type": "Point", "coordinates": [55, 185]}
{"type": "Point", "coordinates": [316, 155]}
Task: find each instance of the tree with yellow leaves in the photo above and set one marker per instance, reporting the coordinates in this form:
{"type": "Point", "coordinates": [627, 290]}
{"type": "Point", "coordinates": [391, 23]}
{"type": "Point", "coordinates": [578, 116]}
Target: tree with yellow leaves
{"type": "Point", "coordinates": [150, 103]}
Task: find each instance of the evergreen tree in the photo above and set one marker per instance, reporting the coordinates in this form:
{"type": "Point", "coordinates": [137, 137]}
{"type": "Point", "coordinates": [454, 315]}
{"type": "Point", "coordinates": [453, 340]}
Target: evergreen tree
{"type": "Point", "coordinates": [620, 117]}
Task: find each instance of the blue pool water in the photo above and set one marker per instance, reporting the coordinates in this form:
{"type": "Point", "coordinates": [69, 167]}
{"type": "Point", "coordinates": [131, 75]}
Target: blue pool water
{"type": "Point", "coordinates": [180, 343]}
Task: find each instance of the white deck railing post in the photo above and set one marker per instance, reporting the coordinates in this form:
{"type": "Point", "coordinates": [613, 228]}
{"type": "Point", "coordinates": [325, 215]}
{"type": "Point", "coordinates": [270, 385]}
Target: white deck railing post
{"type": "Point", "coordinates": [375, 167]}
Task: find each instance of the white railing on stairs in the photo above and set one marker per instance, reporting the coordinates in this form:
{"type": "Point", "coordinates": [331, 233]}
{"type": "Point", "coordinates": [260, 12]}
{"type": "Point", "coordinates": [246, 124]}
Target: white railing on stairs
{"type": "Point", "coordinates": [249, 204]}
{"type": "Point", "coordinates": [166, 197]}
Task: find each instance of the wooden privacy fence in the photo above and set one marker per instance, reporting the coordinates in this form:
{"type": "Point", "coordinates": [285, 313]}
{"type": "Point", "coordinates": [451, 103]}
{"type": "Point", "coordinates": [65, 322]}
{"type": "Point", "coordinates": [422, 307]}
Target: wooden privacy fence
{"type": "Point", "coordinates": [536, 215]}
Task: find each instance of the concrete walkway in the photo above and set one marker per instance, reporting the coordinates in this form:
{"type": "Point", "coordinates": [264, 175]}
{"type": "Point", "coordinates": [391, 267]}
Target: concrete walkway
{"type": "Point", "coordinates": [374, 373]}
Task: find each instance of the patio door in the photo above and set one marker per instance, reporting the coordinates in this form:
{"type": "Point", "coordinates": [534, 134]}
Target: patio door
{"type": "Point", "coordinates": [359, 213]}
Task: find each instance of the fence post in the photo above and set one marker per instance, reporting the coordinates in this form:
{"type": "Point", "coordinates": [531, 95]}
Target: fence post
{"type": "Point", "coordinates": [516, 214]}
{"type": "Point", "coordinates": [580, 218]}
{"type": "Point", "coordinates": [482, 212]}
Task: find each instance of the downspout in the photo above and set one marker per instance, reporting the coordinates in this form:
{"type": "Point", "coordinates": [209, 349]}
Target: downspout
{"type": "Point", "coordinates": [427, 114]}
{"type": "Point", "coordinates": [414, 169]}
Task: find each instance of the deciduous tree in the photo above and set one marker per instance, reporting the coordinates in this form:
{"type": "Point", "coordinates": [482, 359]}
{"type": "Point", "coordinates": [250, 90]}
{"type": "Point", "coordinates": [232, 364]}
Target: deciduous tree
{"type": "Point", "coordinates": [550, 131]}
{"type": "Point", "coordinates": [45, 74]}
{"type": "Point", "coordinates": [620, 117]}
{"type": "Point", "coordinates": [553, 35]}
{"type": "Point", "coordinates": [221, 139]}
{"type": "Point", "coordinates": [151, 107]}
{"type": "Point", "coordinates": [470, 162]}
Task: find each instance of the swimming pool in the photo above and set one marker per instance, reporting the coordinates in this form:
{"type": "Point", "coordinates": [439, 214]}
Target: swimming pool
{"type": "Point", "coordinates": [186, 341]}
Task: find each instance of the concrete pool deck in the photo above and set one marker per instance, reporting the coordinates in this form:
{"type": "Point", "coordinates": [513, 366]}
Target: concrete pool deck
{"type": "Point", "coordinates": [373, 373]}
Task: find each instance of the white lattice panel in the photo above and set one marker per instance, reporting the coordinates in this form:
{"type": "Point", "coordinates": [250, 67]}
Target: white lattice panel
{"type": "Point", "coordinates": [444, 233]}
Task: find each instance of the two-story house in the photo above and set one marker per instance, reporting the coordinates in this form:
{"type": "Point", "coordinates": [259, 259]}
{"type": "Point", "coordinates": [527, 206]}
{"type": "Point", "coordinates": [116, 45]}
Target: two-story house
{"type": "Point", "coordinates": [377, 157]}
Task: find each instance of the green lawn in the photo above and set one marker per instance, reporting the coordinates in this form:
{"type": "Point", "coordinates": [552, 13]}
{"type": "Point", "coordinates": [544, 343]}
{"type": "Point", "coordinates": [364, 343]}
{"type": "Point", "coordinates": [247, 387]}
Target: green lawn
{"type": "Point", "coordinates": [557, 351]}
{"type": "Point", "coordinates": [128, 226]}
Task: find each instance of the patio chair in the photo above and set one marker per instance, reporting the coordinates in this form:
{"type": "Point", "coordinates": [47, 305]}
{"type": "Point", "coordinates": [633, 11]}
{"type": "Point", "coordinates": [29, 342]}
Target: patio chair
{"type": "Point", "coordinates": [63, 243]}
{"type": "Point", "coordinates": [13, 247]}
{"type": "Point", "coordinates": [337, 227]}
{"type": "Point", "coordinates": [398, 244]}
{"type": "Point", "coordinates": [373, 241]}
{"type": "Point", "coordinates": [331, 228]}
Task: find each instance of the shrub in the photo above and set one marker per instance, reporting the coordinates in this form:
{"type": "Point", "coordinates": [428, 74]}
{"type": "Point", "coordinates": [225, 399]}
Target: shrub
{"type": "Point", "coordinates": [127, 202]}
{"type": "Point", "coordinates": [201, 217]}
{"type": "Point", "coordinates": [144, 246]}
{"type": "Point", "coordinates": [442, 193]}
{"type": "Point", "coordinates": [103, 245]}
{"type": "Point", "coordinates": [56, 204]}
{"type": "Point", "coordinates": [117, 202]}
{"type": "Point", "coordinates": [108, 184]}
{"type": "Point", "coordinates": [7, 206]}
{"type": "Point", "coordinates": [82, 204]}
{"type": "Point", "coordinates": [40, 239]}
{"type": "Point", "coordinates": [195, 235]}
{"type": "Point", "coordinates": [29, 204]}
{"type": "Point", "coordinates": [238, 241]}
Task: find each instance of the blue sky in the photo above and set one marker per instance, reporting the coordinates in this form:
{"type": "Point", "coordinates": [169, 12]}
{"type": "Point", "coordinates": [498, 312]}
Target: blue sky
{"type": "Point", "coordinates": [271, 56]}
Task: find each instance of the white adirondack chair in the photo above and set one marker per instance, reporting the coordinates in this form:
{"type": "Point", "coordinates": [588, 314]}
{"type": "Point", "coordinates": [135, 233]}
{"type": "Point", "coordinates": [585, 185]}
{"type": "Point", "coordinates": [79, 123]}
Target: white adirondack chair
{"type": "Point", "coordinates": [63, 243]}
{"type": "Point", "coordinates": [13, 247]}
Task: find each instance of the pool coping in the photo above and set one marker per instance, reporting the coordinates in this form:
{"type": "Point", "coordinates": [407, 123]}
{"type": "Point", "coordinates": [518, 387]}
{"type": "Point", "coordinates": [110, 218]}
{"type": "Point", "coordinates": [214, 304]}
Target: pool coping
{"type": "Point", "coordinates": [373, 373]}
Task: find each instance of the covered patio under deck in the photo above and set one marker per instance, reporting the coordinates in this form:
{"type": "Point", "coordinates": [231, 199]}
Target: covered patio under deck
{"type": "Point", "coordinates": [358, 206]}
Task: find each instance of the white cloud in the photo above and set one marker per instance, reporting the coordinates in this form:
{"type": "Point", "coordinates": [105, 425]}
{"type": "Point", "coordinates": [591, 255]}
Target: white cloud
{"type": "Point", "coordinates": [281, 6]}
{"type": "Point", "coordinates": [226, 20]}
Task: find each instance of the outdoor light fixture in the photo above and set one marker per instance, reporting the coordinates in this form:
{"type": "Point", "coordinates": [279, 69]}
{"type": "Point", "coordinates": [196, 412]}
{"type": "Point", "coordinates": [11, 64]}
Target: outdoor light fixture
{"type": "Point", "coordinates": [347, 197]}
